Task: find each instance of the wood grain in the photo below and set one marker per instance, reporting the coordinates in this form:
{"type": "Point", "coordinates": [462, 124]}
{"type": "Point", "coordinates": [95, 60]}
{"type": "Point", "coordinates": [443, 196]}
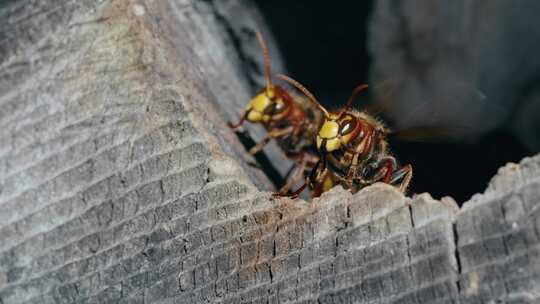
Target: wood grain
{"type": "Point", "coordinates": [119, 182]}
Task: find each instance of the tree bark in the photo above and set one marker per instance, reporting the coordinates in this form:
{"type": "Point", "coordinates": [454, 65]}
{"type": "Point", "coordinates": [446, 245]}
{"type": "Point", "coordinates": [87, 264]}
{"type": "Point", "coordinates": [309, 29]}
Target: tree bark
{"type": "Point", "coordinates": [120, 182]}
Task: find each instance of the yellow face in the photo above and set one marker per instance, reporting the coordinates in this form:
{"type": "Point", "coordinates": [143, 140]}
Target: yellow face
{"type": "Point", "coordinates": [264, 106]}
{"type": "Point", "coordinates": [335, 132]}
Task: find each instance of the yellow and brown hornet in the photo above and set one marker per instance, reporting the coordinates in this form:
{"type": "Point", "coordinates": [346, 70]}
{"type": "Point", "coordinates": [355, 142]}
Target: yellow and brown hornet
{"type": "Point", "coordinates": [353, 148]}
{"type": "Point", "coordinates": [292, 122]}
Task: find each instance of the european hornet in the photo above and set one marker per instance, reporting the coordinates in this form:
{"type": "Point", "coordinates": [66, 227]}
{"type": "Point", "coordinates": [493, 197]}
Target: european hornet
{"type": "Point", "coordinates": [292, 122]}
{"type": "Point", "coordinates": [353, 148]}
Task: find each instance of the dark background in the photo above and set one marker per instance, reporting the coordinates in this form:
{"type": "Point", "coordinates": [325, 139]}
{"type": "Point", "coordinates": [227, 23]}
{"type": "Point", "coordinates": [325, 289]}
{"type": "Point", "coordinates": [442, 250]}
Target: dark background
{"type": "Point", "coordinates": [325, 47]}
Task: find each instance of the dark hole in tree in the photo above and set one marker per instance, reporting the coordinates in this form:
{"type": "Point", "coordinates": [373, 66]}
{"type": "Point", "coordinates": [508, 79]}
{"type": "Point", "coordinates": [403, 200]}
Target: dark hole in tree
{"type": "Point", "coordinates": [324, 46]}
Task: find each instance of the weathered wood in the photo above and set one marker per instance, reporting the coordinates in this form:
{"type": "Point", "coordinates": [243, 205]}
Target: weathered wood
{"type": "Point", "coordinates": [119, 182]}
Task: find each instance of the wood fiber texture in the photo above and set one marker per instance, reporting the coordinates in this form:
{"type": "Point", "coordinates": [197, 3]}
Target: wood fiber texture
{"type": "Point", "coordinates": [119, 182]}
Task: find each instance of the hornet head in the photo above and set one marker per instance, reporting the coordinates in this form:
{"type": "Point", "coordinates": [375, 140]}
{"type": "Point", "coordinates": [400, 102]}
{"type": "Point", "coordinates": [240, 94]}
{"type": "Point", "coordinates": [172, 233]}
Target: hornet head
{"type": "Point", "coordinates": [338, 128]}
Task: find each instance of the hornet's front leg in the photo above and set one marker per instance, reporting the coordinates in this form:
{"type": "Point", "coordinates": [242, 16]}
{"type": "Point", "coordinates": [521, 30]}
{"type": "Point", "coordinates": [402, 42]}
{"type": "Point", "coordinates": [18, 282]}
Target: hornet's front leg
{"type": "Point", "coordinates": [313, 177]}
{"type": "Point", "coordinates": [304, 159]}
{"type": "Point", "coordinates": [271, 135]}
{"type": "Point", "coordinates": [240, 122]}
{"type": "Point", "coordinates": [296, 175]}
{"type": "Point", "coordinates": [360, 151]}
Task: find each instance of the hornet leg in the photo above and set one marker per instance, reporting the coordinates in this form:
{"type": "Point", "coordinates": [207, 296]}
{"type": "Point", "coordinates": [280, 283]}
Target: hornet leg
{"type": "Point", "coordinates": [271, 135]}
{"type": "Point", "coordinates": [402, 177]}
{"type": "Point", "coordinates": [312, 178]}
{"type": "Point", "coordinates": [297, 174]}
{"type": "Point", "coordinates": [387, 172]}
{"type": "Point", "coordinates": [242, 119]}
{"type": "Point", "coordinates": [380, 170]}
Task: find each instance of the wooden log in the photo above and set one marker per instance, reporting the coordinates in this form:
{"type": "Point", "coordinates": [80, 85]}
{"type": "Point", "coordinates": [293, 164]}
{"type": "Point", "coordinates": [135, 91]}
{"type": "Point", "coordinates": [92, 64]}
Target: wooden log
{"type": "Point", "coordinates": [119, 182]}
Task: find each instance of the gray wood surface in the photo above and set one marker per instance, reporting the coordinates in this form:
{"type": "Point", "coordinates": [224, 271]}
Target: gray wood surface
{"type": "Point", "coordinates": [119, 182]}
